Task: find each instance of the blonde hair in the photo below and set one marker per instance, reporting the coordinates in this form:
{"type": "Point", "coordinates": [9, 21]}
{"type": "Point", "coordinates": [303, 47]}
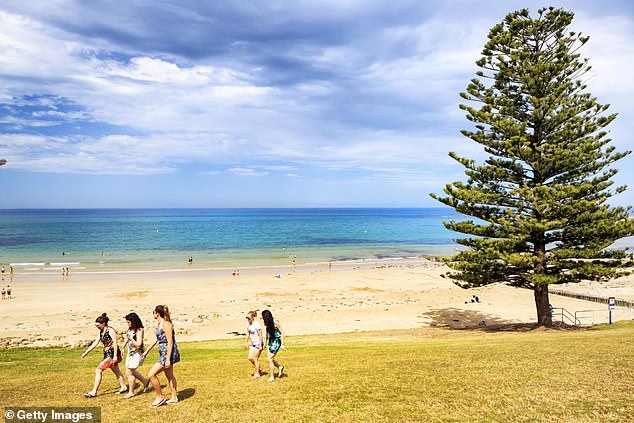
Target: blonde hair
{"type": "Point", "coordinates": [253, 314]}
{"type": "Point", "coordinates": [163, 311]}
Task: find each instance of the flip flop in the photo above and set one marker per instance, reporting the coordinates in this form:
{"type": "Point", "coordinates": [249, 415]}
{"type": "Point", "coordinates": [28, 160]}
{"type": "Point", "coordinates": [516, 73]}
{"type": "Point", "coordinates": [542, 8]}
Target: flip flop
{"type": "Point", "coordinates": [89, 395]}
{"type": "Point", "coordinates": [158, 404]}
{"type": "Point", "coordinates": [121, 391]}
{"type": "Point", "coordinates": [279, 373]}
{"type": "Point", "coordinates": [128, 396]}
{"type": "Point", "coordinates": [170, 401]}
{"type": "Point", "coordinates": [146, 387]}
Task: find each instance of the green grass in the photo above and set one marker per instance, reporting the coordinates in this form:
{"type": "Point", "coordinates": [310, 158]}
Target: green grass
{"type": "Point", "coordinates": [416, 375]}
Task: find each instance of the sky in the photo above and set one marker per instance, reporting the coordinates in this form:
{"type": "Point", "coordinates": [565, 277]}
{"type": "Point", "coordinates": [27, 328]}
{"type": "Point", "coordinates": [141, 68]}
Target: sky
{"type": "Point", "coordinates": [261, 103]}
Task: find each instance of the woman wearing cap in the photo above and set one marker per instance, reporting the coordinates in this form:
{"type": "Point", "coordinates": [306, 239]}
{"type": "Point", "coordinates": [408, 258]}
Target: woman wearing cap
{"type": "Point", "coordinates": [168, 356]}
{"type": "Point", "coordinates": [254, 333]}
{"type": "Point", "coordinates": [111, 355]}
{"type": "Point", "coordinates": [134, 345]}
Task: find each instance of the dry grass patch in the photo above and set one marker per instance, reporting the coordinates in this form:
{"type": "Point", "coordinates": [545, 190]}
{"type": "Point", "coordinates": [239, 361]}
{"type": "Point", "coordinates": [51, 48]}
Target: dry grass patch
{"type": "Point", "coordinates": [405, 375]}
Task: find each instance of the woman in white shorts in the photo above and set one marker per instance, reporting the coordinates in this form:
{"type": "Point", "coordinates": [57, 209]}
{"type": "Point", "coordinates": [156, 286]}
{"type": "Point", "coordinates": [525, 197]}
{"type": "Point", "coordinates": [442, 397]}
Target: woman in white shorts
{"type": "Point", "coordinates": [254, 333]}
{"type": "Point", "coordinates": [134, 358]}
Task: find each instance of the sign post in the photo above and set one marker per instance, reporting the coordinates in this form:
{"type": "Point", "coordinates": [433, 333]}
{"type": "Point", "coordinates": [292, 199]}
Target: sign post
{"type": "Point", "coordinates": [611, 306]}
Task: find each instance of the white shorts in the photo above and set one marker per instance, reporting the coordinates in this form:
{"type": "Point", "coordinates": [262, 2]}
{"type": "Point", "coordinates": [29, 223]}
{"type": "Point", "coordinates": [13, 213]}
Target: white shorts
{"type": "Point", "coordinates": [133, 360]}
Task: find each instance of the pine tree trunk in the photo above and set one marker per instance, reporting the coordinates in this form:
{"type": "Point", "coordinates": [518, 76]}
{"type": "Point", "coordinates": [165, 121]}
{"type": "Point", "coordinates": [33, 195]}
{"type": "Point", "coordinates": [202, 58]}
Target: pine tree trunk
{"type": "Point", "coordinates": [544, 316]}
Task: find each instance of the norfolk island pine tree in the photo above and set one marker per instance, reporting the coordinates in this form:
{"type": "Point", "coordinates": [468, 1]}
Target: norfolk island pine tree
{"type": "Point", "coordinates": [540, 199]}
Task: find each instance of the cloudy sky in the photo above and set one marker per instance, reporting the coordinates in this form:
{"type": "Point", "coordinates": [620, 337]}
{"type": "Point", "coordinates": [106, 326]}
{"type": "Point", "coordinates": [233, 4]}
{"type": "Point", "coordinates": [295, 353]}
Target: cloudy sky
{"type": "Point", "coordinates": [259, 103]}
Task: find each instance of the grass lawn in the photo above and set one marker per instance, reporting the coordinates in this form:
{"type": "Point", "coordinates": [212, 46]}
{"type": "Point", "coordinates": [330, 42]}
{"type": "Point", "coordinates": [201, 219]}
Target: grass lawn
{"type": "Point", "coordinates": [584, 375]}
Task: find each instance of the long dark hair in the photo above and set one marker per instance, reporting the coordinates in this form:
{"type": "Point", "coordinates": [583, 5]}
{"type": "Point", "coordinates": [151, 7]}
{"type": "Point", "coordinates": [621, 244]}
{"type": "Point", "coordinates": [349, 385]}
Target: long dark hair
{"type": "Point", "coordinates": [269, 323]}
{"type": "Point", "coordinates": [135, 321]}
{"type": "Point", "coordinates": [103, 319]}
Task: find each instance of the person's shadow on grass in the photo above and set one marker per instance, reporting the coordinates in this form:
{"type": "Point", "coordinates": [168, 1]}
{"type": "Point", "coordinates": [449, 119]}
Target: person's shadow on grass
{"type": "Point", "coordinates": [186, 393]}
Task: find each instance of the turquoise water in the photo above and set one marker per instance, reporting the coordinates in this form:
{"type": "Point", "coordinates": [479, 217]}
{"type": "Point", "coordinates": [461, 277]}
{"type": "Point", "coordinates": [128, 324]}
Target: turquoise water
{"type": "Point", "coordinates": [93, 239]}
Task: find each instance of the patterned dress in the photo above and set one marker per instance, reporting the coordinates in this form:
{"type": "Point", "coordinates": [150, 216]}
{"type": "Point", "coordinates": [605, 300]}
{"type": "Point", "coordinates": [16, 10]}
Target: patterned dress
{"type": "Point", "coordinates": [162, 347]}
{"type": "Point", "coordinates": [276, 342]}
{"type": "Point", "coordinates": [108, 349]}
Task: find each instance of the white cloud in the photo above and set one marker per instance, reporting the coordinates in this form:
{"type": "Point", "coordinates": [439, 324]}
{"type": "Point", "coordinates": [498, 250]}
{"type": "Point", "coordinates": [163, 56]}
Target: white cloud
{"type": "Point", "coordinates": [381, 100]}
{"type": "Point", "coordinates": [246, 172]}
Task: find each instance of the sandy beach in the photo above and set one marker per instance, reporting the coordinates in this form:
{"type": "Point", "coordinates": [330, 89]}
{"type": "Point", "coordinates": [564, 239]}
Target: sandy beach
{"type": "Point", "coordinates": [48, 310]}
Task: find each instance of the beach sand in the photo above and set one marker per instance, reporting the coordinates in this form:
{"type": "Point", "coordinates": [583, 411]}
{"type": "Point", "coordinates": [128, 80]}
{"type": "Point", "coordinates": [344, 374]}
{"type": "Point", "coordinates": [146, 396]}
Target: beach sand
{"type": "Point", "coordinates": [48, 310]}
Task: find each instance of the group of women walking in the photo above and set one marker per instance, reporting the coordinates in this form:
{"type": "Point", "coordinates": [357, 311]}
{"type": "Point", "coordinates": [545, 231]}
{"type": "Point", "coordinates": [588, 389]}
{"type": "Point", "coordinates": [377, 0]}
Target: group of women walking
{"type": "Point", "coordinates": [136, 353]}
{"type": "Point", "coordinates": [169, 354]}
{"type": "Point", "coordinates": [255, 342]}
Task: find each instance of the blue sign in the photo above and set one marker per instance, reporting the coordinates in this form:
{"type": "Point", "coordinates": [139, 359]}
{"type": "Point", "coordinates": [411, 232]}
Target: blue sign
{"type": "Point", "coordinates": [611, 303]}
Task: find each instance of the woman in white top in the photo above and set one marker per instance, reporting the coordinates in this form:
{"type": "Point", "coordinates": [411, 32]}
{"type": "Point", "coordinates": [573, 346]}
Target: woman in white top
{"type": "Point", "coordinates": [134, 346]}
{"type": "Point", "coordinates": [254, 333]}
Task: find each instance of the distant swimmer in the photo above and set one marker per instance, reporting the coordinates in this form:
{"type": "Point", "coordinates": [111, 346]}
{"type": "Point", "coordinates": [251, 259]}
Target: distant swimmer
{"type": "Point", "coordinates": [190, 260]}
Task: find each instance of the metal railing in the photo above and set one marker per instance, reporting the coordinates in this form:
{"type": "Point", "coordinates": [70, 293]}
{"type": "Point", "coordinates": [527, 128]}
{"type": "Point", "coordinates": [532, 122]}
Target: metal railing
{"type": "Point", "coordinates": [563, 315]}
{"type": "Point", "coordinates": [583, 315]}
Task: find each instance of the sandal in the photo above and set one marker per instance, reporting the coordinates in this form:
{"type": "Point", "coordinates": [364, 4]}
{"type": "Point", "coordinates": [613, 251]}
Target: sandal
{"type": "Point", "coordinates": [128, 396]}
{"type": "Point", "coordinates": [279, 374]}
{"type": "Point", "coordinates": [122, 391]}
{"type": "Point", "coordinates": [162, 401]}
{"type": "Point", "coordinates": [171, 401]}
{"type": "Point", "coordinates": [89, 395]}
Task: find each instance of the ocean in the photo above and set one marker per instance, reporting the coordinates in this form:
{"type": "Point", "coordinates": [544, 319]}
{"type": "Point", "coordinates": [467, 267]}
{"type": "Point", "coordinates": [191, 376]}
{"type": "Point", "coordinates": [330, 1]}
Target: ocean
{"type": "Point", "coordinates": [115, 239]}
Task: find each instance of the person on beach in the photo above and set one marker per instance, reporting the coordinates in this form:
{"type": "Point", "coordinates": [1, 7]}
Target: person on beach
{"type": "Point", "coordinates": [111, 355]}
{"type": "Point", "coordinates": [168, 356]}
{"type": "Point", "coordinates": [133, 360]}
{"type": "Point", "coordinates": [275, 341]}
{"type": "Point", "coordinates": [2, 271]}
{"type": "Point", "coordinates": [9, 291]}
{"type": "Point", "coordinates": [254, 333]}
{"type": "Point", "coordinates": [3, 293]}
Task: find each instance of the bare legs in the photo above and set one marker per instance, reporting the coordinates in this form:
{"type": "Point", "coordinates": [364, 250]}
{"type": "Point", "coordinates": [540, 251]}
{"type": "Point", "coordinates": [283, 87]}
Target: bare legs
{"type": "Point", "coordinates": [272, 365]}
{"type": "Point", "coordinates": [98, 373]}
{"type": "Point", "coordinates": [155, 370]}
{"type": "Point", "coordinates": [133, 374]}
{"type": "Point", "coordinates": [120, 378]}
{"type": "Point", "coordinates": [254, 358]}
{"type": "Point", "coordinates": [169, 373]}
{"type": "Point", "coordinates": [99, 376]}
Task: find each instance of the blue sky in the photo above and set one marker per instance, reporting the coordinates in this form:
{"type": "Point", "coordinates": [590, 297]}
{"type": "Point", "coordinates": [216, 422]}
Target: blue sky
{"type": "Point", "coordinates": [260, 103]}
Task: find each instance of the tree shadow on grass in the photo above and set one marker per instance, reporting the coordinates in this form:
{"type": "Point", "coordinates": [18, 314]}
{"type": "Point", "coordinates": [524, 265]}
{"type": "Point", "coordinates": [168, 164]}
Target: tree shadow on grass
{"type": "Point", "coordinates": [454, 318]}
{"type": "Point", "coordinates": [459, 319]}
